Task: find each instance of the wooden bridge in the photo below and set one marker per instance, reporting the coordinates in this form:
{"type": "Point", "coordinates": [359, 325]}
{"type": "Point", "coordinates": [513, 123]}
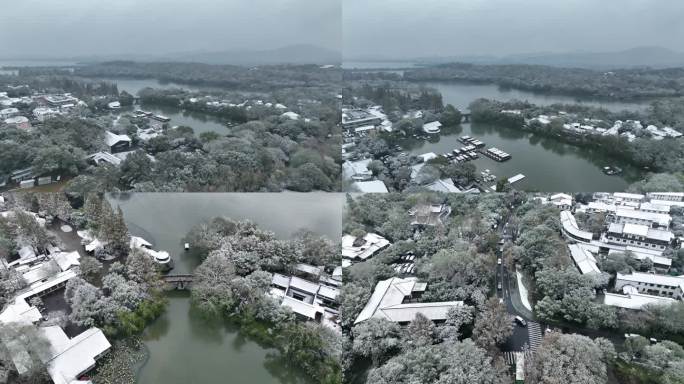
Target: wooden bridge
{"type": "Point", "coordinates": [179, 282]}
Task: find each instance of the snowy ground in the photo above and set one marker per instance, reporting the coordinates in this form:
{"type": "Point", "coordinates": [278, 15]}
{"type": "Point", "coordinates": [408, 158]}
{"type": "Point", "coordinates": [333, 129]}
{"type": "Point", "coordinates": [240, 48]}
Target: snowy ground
{"type": "Point", "coordinates": [523, 292]}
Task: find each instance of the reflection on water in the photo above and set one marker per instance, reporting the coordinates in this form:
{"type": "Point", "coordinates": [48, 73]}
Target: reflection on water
{"type": "Point", "coordinates": [185, 347]}
{"type": "Point", "coordinates": [165, 218]}
{"type": "Point", "coordinates": [548, 164]}
{"type": "Point", "coordinates": [199, 122]}
{"type": "Point", "coordinates": [460, 95]}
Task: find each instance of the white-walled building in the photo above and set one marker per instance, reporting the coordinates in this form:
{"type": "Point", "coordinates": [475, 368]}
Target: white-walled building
{"type": "Point", "coordinates": [636, 216]}
{"type": "Point", "coordinates": [667, 196]}
{"type": "Point", "coordinates": [652, 284]}
{"type": "Point", "coordinates": [360, 249]}
{"type": "Point", "coordinates": [571, 230]}
{"type": "Point", "coordinates": [429, 214]}
{"type": "Point", "coordinates": [639, 236]}
{"type": "Point", "coordinates": [394, 300]}
{"type": "Point", "coordinates": [357, 170]}
{"type": "Point", "coordinates": [584, 259]}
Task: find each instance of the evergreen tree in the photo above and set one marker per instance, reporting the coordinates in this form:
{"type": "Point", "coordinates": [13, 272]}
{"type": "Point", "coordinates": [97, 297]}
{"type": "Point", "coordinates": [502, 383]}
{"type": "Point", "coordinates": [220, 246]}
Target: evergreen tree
{"type": "Point", "coordinates": [105, 221]}
{"type": "Point", "coordinates": [118, 233]}
{"type": "Point", "coordinates": [92, 210]}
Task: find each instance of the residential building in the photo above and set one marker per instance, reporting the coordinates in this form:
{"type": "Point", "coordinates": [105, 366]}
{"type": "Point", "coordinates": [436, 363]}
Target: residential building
{"type": "Point", "coordinates": [99, 158]}
{"type": "Point", "coordinates": [571, 229]}
{"type": "Point", "coordinates": [67, 358]}
{"type": "Point", "coordinates": [354, 118]}
{"type": "Point", "coordinates": [639, 236]}
{"type": "Point", "coordinates": [432, 127]}
{"type": "Point", "coordinates": [309, 300]}
{"type": "Point", "coordinates": [667, 196]}
{"type": "Point", "coordinates": [42, 113]}
{"type": "Point", "coordinates": [21, 122]}
{"type": "Point", "coordinates": [8, 112]}
{"type": "Point", "coordinates": [584, 259]}
{"type": "Point", "coordinates": [624, 215]}
{"type": "Point", "coordinates": [70, 358]}
{"type": "Point", "coordinates": [628, 197]}
{"type": "Point", "coordinates": [429, 214]}
{"type": "Point", "coordinates": [373, 186]}
{"type": "Point", "coordinates": [396, 300]}
{"type": "Point", "coordinates": [444, 185]}
{"type": "Point", "coordinates": [117, 143]}
{"type": "Point", "coordinates": [649, 206]}
{"type": "Point", "coordinates": [561, 200]}
{"type": "Point", "coordinates": [652, 284]}
{"type": "Point", "coordinates": [357, 170]}
{"type": "Point", "coordinates": [362, 248]}
{"type": "Point", "coordinates": [60, 100]}
{"type": "Point", "coordinates": [632, 299]}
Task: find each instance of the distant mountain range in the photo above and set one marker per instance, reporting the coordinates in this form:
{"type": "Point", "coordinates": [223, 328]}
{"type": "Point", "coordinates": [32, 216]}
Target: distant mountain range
{"type": "Point", "coordinates": [655, 57]}
{"type": "Point", "coordinates": [292, 54]}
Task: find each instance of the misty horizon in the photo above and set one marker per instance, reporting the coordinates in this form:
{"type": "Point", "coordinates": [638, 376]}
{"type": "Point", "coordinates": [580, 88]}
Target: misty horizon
{"type": "Point", "coordinates": [81, 28]}
{"type": "Point", "coordinates": [442, 28]}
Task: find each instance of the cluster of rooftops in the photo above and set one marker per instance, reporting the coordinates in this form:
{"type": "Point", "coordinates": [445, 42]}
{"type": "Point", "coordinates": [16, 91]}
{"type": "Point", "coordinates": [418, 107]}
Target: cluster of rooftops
{"type": "Point", "coordinates": [68, 358]}
{"type": "Point", "coordinates": [637, 225]}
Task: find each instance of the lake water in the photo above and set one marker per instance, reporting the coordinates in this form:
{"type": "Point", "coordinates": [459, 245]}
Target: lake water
{"type": "Point", "coordinates": [461, 94]}
{"type": "Point", "coordinates": [548, 164]}
{"type": "Point", "coordinates": [184, 347]}
{"type": "Point", "coordinates": [165, 218]}
{"type": "Point", "coordinates": [199, 122]}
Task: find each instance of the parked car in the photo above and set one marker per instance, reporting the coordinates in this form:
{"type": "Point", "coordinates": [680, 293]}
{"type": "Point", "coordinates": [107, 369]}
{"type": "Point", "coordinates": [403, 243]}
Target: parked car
{"type": "Point", "coordinates": [521, 321]}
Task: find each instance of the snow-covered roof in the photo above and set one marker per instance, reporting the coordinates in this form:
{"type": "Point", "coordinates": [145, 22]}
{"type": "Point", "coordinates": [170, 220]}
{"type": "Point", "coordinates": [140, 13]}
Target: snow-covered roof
{"type": "Point", "coordinates": [93, 245]}
{"type": "Point", "coordinates": [584, 260]}
{"type": "Point", "coordinates": [300, 307]}
{"type": "Point", "coordinates": [374, 186]}
{"type": "Point", "coordinates": [407, 312]}
{"type": "Point", "coordinates": [432, 127]}
{"type": "Point", "coordinates": [66, 260]}
{"type": "Point", "coordinates": [310, 269]}
{"type": "Point", "coordinates": [387, 301]}
{"type": "Point", "coordinates": [112, 138]}
{"type": "Point", "coordinates": [291, 115]}
{"type": "Point", "coordinates": [662, 219]}
{"type": "Point", "coordinates": [641, 230]}
{"type": "Point", "coordinates": [641, 254]}
{"type": "Point", "coordinates": [70, 358]}
{"type": "Point", "coordinates": [356, 169]}
{"type": "Point", "coordinates": [106, 157]}
{"type": "Point", "coordinates": [372, 244]}
{"type": "Point", "coordinates": [428, 156]}
{"type": "Point", "coordinates": [628, 196]}
{"type": "Point", "coordinates": [635, 300]}
{"type": "Point", "coordinates": [443, 185]}
{"type": "Point", "coordinates": [651, 207]}
{"type": "Point", "coordinates": [651, 278]}
{"type": "Point", "coordinates": [570, 226]}
{"type": "Point", "coordinates": [303, 285]}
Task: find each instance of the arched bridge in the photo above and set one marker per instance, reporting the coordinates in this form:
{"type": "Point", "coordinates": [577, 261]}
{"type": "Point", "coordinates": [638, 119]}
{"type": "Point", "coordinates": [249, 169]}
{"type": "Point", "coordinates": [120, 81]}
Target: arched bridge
{"type": "Point", "coordinates": [178, 281]}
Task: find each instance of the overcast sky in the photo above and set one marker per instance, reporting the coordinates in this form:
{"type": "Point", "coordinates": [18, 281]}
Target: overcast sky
{"type": "Point", "coordinates": [68, 28]}
{"type": "Point", "coordinates": [414, 28]}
